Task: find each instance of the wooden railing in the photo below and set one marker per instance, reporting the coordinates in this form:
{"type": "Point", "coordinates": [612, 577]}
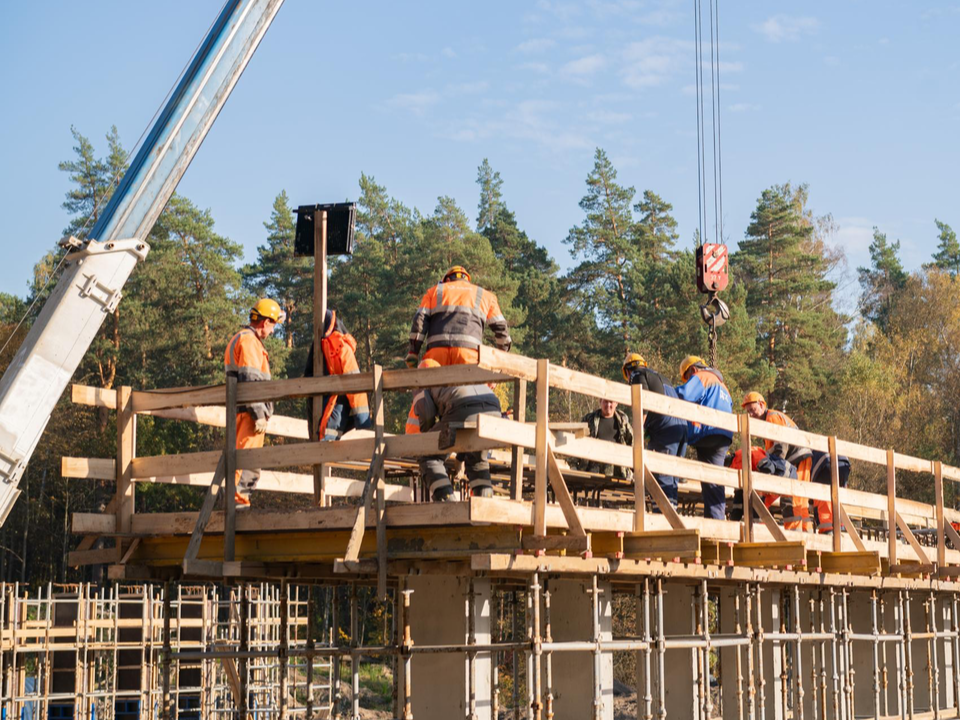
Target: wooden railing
{"type": "Point", "coordinates": [210, 406]}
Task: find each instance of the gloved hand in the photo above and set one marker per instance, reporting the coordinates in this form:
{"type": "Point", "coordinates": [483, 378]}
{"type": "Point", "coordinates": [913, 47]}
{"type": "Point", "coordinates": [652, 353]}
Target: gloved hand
{"type": "Point", "coordinates": [261, 426]}
{"type": "Point", "coordinates": [507, 345]}
{"type": "Point", "coordinates": [412, 359]}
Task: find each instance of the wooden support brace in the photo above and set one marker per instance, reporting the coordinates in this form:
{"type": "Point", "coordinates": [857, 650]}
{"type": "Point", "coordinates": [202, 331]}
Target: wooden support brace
{"type": "Point", "coordinates": [130, 550]}
{"type": "Point", "coordinates": [843, 520]}
{"type": "Point", "coordinates": [891, 509]}
{"type": "Point", "coordinates": [230, 473]}
{"type": "Point", "coordinates": [381, 542]}
{"type": "Point", "coordinates": [319, 318]}
{"type": "Point", "coordinates": [938, 499]}
{"type": "Point", "coordinates": [639, 496]}
{"type": "Point", "coordinates": [206, 509]}
{"type": "Point", "coordinates": [766, 517]}
{"type": "Point", "coordinates": [542, 435]}
{"type": "Point", "coordinates": [952, 535]}
{"type": "Point", "coordinates": [835, 492]}
{"type": "Point", "coordinates": [90, 540]}
{"type": "Point", "coordinates": [374, 474]}
{"type": "Point", "coordinates": [516, 453]}
{"type": "Point", "coordinates": [563, 496]}
{"type": "Point", "coordinates": [662, 501]}
{"type": "Point", "coordinates": [126, 449]}
{"type": "Point", "coordinates": [911, 539]}
{"type": "Point", "coordinates": [746, 480]}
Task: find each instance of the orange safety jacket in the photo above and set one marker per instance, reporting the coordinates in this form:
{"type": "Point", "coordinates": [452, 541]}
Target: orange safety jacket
{"type": "Point", "coordinates": [413, 420]}
{"type": "Point", "coordinates": [793, 454]}
{"type": "Point", "coordinates": [248, 358]}
{"type": "Point", "coordinates": [454, 314]}
{"type": "Point", "coordinates": [339, 355]}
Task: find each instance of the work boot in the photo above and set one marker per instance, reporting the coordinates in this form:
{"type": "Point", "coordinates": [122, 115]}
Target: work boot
{"type": "Point", "coordinates": [483, 491]}
{"type": "Point", "coordinates": [241, 500]}
{"type": "Point", "coordinates": [444, 494]}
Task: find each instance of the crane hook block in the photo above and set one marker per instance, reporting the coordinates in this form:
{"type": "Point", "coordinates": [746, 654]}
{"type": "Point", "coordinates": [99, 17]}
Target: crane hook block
{"type": "Point", "coordinates": [712, 267]}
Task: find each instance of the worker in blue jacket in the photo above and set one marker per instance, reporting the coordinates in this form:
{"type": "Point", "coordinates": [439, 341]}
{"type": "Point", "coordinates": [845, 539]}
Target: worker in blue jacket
{"type": "Point", "coordinates": [704, 386]}
{"type": "Point", "coordinates": [665, 434]}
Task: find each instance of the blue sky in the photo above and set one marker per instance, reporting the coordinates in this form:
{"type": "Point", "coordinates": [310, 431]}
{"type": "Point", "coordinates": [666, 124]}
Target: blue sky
{"type": "Point", "coordinates": [859, 99]}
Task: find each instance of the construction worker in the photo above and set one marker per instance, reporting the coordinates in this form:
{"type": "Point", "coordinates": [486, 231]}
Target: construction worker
{"type": "Point", "coordinates": [436, 407]}
{"type": "Point", "coordinates": [413, 422]}
{"type": "Point", "coordinates": [704, 386]}
{"type": "Point", "coordinates": [608, 422]}
{"type": "Point", "coordinates": [665, 434]}
{"type": "Point", "coordinates": [794, 510]}
{"type": "Point", "coordinates": [821, 473]}
{"type": "Point", "coordinates": [247, 358]}
{"type": "Point", "coordinates": [340, 412]}
{"type": "Point", "coordinates": [761, 462]}
{"type": "Point", "coordinates": [451, 319]}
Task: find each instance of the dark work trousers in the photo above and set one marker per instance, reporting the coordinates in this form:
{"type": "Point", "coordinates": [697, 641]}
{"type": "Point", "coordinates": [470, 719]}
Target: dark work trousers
{"type": "Point", "coordinates": [712, 450]}
{"type": "Point", "coordinates": [433, 470]}
{"type": "Point", "coordinates": [341, 420]}
{"type": "Point", "coordinates": [671, 442]}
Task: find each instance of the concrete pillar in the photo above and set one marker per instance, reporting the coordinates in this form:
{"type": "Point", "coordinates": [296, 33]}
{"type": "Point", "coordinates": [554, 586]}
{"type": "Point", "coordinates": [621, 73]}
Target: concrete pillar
{"type": "Point", "coordinates": [681, 694]}
{"type": "Point", "coordinates": [771, 610]}
{"type": "Point", "coordinates": [573, 672]}
{"type": "Point", "coordinates": [892, 661]}
{"type": "Point", "coordinates": [438, 616]}
{"type": "Point", "coordinates": [945, 652]}
{"type": "Point", "coordinates": [730, 684]}
{"type": "Point", "coordinates": [922, 667]}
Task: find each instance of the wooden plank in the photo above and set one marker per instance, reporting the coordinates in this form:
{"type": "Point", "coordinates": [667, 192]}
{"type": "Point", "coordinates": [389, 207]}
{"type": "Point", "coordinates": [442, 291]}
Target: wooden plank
{"type": "Point", "coordinates": [791, 436]}
{"type": "Point", "coordinates": [639, 496]}
{"type": "Point", "coordinates": [855, 451]}
{"type": "Point", "coordinates": [206, 509]}
{"type": "Point", "coordinates": [746, 473]}
{"type": "Point", "coordinates": [97, 397]}
{"type": "Point", "coordinates": [776, 555]}
{"type": "Point", "coordinates": [89, 541]}
{"type": "Point", "coordinates": [203, 568]}
{"type": "Point", "coordinates": [662, 545]}
{"type": "Point", "coordinates": [835, 491]}
{"type": "Point", "coordinates": [130, 551]}
{"type": "Point", "coordinates": [891, 509]}
{"type": "Point", "coordinates": [562, 494]}
{"type": "Point", "coordinates": [911, 539]}
{"type": "Point", "coordinates": [853, 563]}
{"type": "Point", "coordinates": [570, 543]}
{"type": "Point", "coordinates": [519, 415]}
{"type": "Point", "coordinates": [319, 321]}
{"type": "Point", "coordinates": [230, 473]}
{"type": "Point", "coordinates": [691, 412]}
{"type": "Point", "coordinates": [100, 556]}
{"type": "Point", "coordinates": [381, 543]}
{"type": "Point", "coordinates": [126, 449]}
{"type": "Point", "coordinates": [93, 524]}
{"type": "Point", "coordinates": [938, 495]}
{"type": "Point", "coordinates": [542, 433]}
{"type": "Point", "coordinates": [951, 473]}
{"type": "Point", "coordinates": [912, 464]}
{"type": "Point", "coordinates": [88, 468]}
{"type": "Point", "coordinates": [766, 517]}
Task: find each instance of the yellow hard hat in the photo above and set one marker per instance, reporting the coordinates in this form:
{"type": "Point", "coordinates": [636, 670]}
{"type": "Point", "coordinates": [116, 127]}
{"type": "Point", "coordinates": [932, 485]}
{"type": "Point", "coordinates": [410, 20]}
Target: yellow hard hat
{"type": "Point", "coordinates": [428, 363]}
{"type": "Point", "coordinates": [752, 397]}
{"type": "Point", "coordinates": [457, 272]}
{"type": "Point", "coordinates": [688, 362]}
{"type": "Point", "coordinates": [633, 362]}
{"type": "Point", "coordinates": [267, 308]}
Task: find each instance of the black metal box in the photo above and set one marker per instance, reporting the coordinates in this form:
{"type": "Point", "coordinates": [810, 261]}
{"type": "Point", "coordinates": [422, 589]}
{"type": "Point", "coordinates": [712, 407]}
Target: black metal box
{"type": "Point", "coordinates": [341, 218]}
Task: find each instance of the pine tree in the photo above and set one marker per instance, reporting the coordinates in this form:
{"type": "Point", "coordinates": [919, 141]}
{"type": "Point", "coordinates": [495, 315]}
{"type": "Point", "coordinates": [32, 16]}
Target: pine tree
{"type": "Point", "coordinates": [947, 256]}
{"type": "Point", "coordinates": [882, 280]}
{"type": "Point", "coordinates": [491, 196]}
{"type": "Point", "coordinates": [607, 248]}
{"type": "Point", "coordinates": [784, 269]}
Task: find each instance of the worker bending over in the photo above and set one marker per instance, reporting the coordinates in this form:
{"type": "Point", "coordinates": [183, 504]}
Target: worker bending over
{"type": "Point", "coordinates": [704, 386]}
{"type": "Point", "coordinates": [247, 358]}
{"type": "Point", "coordinates": [665, 434]}
{"type": "Point", "coordinates": [451, 319]}
{"type": "Point", "coordinates": [340, 412]}
{"type": "Point", "coordinates": [762, 462]}
{"type": "Point", "coordinates": [435, 407]}
{"type": "Point", "coordinates": [413, 422]}
{"type": "Point", "coordinates": [795, 510]}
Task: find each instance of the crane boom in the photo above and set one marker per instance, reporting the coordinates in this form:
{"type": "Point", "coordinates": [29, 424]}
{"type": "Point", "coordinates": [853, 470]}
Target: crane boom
{"type": "Point", "coordinates": [96, 270]}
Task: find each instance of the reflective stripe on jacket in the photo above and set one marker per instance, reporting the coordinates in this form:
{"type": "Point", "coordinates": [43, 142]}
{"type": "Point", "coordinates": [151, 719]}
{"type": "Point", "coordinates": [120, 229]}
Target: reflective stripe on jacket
{"type": "Point", "coordinates": [432, 404]}
{"type": "Point", "coordinates": [791, 453]}
{"type": "Point", "coordinates": [413, 422]}
{"type": "Point", "coordinates": [248, 358]}
{"type": "Point", "coordinates": [453, 314]}
{"type": "Point", "coordinates": [339, 358]}
{"type": "Point", "coordinates": [705, 388]}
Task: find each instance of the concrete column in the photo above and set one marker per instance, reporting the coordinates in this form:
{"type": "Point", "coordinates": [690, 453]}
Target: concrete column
{"type": "Point", "coordinates": [730, 684]}
{"type": "Point", "coordinates": [922, 668]}
{"type": "Point", "coordinates": [681, 694]}
{"type": "Point", "coordinates": [891, 661]}
{"type": "Point", "coordinates": [864, 668]}
{"type": "Point", "coordinates": [772, 660]}
{"type": "Point", "coordinates": [945, 652]}
{"type": "Point", "coordinates": [438, 616]}
{"type": "Point", "coordinates": [573, 672]}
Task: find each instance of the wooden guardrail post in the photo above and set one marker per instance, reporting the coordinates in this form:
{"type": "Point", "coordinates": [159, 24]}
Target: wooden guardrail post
{"type": "Point", "coordinates": [230, 472]}
{"type": "Point", "coordinates": [126, 449]}
{"type": "Point", "coordinates": [543, 421]}
{"type": "Point", "coordinates": [520, 415]}
{"type": "Point", "coordinates": [835, 493]}
{"type": "Point", "coordinates": [319, 318]}
{"type": "Point", "coordinates": [891, 509]}
{"type": "Point", "coordinates": [639, 496]}
{"type": "Point", "coordinates": [941, 531]}
{"type": "Point", "coordinates": [746, 483]}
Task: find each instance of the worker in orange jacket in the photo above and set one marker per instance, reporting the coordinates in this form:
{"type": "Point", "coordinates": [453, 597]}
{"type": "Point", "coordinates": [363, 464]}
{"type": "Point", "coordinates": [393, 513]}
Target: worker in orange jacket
{"type": "Point", "coordinates": [413, 422]}
{"type": "Point", "coordinates": [795, 510]}
{"type": "Point", "coordinates": [349, 410]}
{"type": "Point", "coordinates": [247, 358]}
{"type": "Point", "coordinates": [451, 319]}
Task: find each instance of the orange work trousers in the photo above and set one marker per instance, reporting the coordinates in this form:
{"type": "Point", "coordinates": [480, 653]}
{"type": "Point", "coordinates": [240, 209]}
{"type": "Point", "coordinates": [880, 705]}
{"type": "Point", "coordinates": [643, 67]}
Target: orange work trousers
{"type": "Point", "coordinates": [800, 517]}
{"type": "Point", "coordinates": [247, 437]}
{"type": "Point", "coordinates": [453, 355]}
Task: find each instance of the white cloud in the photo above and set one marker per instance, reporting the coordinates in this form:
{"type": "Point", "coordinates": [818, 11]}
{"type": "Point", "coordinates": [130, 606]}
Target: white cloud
{"type": "Point", "coordinates": [535, 46]}
{"type": "Point", "coordinates": [608, 117]}
{"type": "Point", "coordinates": [417, 103]}
{"type": "Point", "coordinates": [742, 107]}
{"type": "Point", "coordinates": [468, 88]}
{"type": "Point", "coordinates": [529, 121]}
{"type": "Point", "coordinates": [831, 61]}
{"type": "Point", "coordinates": [583, 67]}
{"type": "Point", "coordinates": [537, 67]}
{"type": "Point", "coordinates": [411, 57]}
{"type": "Point", "coordinates": [654, 61]}
{"type": "Point", "coordinates": [855, 235]}
{"type": "Point", "coordinates": [778, 28]}
{"type": "Point", "coordinates": [448, 52]}
{"type": "Point", "coordinates": [563, 11]}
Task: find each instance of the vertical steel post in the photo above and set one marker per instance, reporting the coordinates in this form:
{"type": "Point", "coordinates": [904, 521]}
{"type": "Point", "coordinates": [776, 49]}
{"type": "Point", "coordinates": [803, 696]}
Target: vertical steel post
{"type": "Point", "coordinates": [548, 635]}
{"type": "Point", "coordinates": [875, 627]}
{"type": "Point", "coordinates": [311, 646]}
{"type": "Point", "coordinates": [537, 648]}
{"type": "Point", "coordinates": [471, 654]}
{"type": "Point", "coordinates": [797, 657]}
{"type": "Point", "coordinates": [908, 650]}
{"type": "Point", "coordinates": [661, 653]}
{"type": "Point", "coordinates": [407, 657]}
{"type": "Point", "coordinates": [167, 714]}
{"type": "Point", "coordinates": [648, 639]}
{"type": "Point", "coordinates": [354, 656]}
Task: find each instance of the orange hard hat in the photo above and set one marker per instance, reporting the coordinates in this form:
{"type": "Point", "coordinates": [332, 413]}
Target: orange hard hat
{"type": "Point", "coordinates": [457, 272]}
{"type": "Point", "coordinates": [752, 397]}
